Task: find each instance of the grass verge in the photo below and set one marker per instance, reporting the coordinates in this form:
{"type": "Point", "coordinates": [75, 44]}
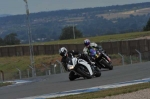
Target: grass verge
{"type": "Point", "coordinates": [5, 84]}
{"type": "Point", "coordinates": [102, 38]}
{"type": "Point", "coordinates": [108, 92]}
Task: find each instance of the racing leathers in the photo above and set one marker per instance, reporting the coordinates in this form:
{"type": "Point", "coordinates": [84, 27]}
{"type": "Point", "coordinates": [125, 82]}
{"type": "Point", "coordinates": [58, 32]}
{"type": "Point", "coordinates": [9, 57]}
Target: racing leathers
{"type": "Point", "coordinates": [93, 52]}
{"type": "Point", "coordinates": [86, 49]}
{"type": "Point", "coordinates": [96, 53]}
{"type": "Point", "coordinates": [73, 53]}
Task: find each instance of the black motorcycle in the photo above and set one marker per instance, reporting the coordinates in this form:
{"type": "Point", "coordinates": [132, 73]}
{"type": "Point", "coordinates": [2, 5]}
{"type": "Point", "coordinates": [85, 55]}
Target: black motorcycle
{"type": "Point", "coordinates": [101, 59]}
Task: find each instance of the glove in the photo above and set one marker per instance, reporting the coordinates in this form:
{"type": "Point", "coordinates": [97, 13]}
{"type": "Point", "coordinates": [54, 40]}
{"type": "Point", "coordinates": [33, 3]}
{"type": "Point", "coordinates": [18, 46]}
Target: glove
{"type": "Point", "coordinates": [91, 63]}
{"type": "Point", "coordinates": [96, 56]}
{"type": "Point", "coordinates": [79, 55]}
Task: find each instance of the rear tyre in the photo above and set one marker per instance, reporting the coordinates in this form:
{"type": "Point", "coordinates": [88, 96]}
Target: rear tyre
{"type": "Point", "coordinates": [97, 72]}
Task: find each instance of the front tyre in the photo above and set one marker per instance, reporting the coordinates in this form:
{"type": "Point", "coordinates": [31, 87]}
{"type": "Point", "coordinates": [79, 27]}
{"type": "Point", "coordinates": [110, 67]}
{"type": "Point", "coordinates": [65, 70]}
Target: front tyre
{"type": "Point", "coordinates": [107, 64]}
{"type": "Point", "coordinates": [72, 76]}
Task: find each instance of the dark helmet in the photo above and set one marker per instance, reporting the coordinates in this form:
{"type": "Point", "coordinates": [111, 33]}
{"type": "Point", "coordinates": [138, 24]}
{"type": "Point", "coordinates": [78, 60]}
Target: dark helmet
{"type": "Point", "coordinates": [86, 42]}
{"type": "Point", "coordinates": [63, 51]}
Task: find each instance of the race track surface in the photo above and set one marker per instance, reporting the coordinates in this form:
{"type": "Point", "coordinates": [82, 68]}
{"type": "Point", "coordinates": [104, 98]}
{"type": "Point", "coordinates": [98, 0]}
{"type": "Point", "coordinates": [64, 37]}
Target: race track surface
{"type": "Point", "coordinates": [60, 82]}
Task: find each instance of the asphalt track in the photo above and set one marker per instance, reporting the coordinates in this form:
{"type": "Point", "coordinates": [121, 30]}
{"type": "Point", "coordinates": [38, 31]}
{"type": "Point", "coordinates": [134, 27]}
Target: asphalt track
{"type": "Point", "coordinates": [60, 82]}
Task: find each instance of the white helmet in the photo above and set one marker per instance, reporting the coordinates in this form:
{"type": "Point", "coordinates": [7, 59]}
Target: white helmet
{"type": "Point", "coordinates": [93, 44]}
{"type": "Point", "coordinates": [63, 51]}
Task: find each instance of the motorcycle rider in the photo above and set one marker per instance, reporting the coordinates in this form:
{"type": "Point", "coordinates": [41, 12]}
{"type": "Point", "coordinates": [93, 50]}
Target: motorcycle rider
{"type": "Point", "coordinates": [89, 46]}
{"type": "Point", "coordinates": [66, 54]}
{"type": "Point", "coordinates": [91, 50]}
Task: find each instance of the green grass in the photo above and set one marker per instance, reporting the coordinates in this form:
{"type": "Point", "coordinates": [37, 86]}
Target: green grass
{"type": "Point", "coordinates": [104, 38]}
{"type": "Point", "coordinates": [108, 92]}
{"type": "Point", "coordinates": [9, 64]}
{"type": "Point", "coordinates": [5, 84]}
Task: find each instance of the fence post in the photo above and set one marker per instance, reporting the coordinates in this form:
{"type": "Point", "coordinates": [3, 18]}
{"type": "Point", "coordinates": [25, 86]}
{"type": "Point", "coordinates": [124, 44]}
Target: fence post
{"type": "Point", "coordinates": [122, 58]}
{"type": "Point", "coordinates": [28, 72]}
{"type": "Point", "coordinates": [54, 68]}
{"type": "Point", "coordinates": [32, 70]}
{"type": "Point", "coordinates": [140, 55]}
{"type": "Point", "coordinates": [48, 69]}
{"type": "Point", "coordinates": [61, 67]}
{"type": "Point", "coordinates": [2, 75]}
{"type": "Point", "coordinates": [131, 59]}
{"type": "Point", "coordinates": [19, 72]}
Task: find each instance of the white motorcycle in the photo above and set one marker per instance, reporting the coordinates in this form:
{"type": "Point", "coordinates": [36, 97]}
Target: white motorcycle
{"type": "Point", "coordinates": [80, 68]}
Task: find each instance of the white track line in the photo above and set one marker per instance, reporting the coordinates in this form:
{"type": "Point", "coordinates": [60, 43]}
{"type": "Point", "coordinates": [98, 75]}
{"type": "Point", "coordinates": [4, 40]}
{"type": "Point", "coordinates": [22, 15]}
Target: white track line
{"type": "Point", "coordinates": [92, 89]}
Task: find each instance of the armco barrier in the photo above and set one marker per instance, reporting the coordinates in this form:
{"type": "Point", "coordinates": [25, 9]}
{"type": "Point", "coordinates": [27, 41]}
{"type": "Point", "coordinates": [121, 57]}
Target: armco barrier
{"type": "Point", "coordinates": [124, 47]}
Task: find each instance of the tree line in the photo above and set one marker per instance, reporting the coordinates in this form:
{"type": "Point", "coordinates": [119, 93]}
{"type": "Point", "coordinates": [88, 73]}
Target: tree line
{"type": "Point", "coordinates": [68, 32]}
{"type": "Point", "coordinates": [10, 39]}
{"type": "Point", "coordinates": [147, 27]}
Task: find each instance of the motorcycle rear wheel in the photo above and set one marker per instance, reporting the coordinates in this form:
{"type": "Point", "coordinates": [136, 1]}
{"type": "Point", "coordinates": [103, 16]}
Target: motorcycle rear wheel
{"type": "Point", "coordinates": [97, 72]}
{"type": "Point", "coordinates": [85, 74]}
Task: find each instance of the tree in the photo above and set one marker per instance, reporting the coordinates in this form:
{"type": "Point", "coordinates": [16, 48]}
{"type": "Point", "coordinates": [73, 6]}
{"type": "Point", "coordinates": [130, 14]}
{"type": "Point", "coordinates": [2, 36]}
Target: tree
{"type": "Point", "coordinates": [67, 33]}
{"type": "Point", "coordinates": [11, 39]}
{"type": "Point", "coordinates": [1, 42]}
{"type": "Point", "coordinates": [147, 27]}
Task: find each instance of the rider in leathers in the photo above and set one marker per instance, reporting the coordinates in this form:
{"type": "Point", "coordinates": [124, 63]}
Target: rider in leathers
{"type": "Point", "coordinates": [66, 54]}
{"type": "Point", "coordinates": [89, 46]}
{"type": "Point", "coordinates": [91, 50]}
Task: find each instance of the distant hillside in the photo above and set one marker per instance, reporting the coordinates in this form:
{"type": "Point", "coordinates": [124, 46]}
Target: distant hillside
{"type": "Point", "coordinates": [4, 15]}
{"type": "Point", "coordinates": [46, 26]}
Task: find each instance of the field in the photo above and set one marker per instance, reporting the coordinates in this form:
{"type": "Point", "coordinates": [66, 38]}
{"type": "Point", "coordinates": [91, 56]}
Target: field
{"type": "Point", "coordinates": [104, 38]}
{"type": "Point", "coordinates": [114, 15]}
{"type": "Point", "coordinates": [125, 14]}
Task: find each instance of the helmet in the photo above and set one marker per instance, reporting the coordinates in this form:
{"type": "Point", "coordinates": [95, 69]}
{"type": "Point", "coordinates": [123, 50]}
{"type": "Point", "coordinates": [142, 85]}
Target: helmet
{"type": "Point", "coordinates": [93, 44]}
{"type": "Point", "coordinates": [63, 51]}
{"type": "Point", "coordinates": [86, 42]}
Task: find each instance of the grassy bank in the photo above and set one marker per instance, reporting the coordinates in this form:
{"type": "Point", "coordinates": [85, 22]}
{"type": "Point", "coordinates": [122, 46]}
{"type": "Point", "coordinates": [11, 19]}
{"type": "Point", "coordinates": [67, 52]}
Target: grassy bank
{"type": "Point", "coordinates": [108, 92]}
{"type": "Point", "coordinates": [5, 84]}
{"type": "Point", "coordinates": [9, 65]}
{"type": "Point", "coordinates": [102, 38]}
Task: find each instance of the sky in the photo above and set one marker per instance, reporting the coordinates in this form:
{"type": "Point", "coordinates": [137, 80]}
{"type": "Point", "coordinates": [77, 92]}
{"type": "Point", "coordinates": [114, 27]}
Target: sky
{"type": "Point", "coordinates": [15, 7]}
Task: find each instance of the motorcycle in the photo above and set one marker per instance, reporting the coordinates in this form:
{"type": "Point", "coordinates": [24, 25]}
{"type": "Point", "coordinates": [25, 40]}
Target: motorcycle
{"type": "Point", "coordinates": [101, 59]}
{"type": "Point", "coordinates": [80, 68]}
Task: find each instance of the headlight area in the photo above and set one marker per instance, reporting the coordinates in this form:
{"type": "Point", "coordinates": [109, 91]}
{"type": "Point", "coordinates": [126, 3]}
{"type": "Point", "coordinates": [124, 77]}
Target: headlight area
{"type": "Point", "coordinates": [70, 67]}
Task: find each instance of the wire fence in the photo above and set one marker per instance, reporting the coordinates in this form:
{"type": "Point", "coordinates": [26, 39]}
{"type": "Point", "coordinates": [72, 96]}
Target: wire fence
{"type": "Point", "coordinates": [57, 68]}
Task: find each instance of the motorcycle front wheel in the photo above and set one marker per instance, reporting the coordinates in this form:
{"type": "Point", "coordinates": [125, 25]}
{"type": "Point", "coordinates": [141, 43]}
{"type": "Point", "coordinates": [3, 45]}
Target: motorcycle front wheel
{"type": "Point", "coordinates": [107, 64]}
{"type": "Point", "coordinates": [72, 76]}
